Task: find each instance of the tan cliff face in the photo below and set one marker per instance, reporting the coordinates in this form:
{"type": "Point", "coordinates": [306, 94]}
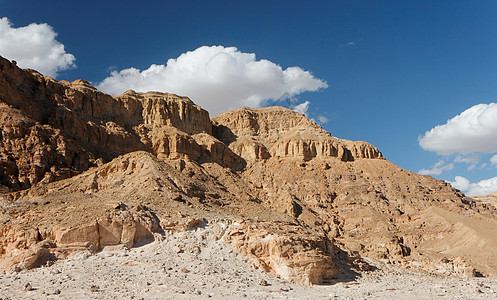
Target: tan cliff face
{"type": "Point", "coordinates": [99, 126]}
{"type": "Point", "coordinates": [80, 169]}
{"type": "Point", "coordinates": [280, 132]}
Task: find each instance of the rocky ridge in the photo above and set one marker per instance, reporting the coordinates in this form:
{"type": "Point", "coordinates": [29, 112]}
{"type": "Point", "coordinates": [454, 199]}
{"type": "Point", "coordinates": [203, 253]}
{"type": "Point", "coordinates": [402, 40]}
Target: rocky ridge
{"type": "Point", "coordinates": [80, 169]}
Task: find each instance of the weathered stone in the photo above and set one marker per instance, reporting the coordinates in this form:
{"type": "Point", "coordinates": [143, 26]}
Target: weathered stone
{"type": "Point", "coordinates": [285, 250]}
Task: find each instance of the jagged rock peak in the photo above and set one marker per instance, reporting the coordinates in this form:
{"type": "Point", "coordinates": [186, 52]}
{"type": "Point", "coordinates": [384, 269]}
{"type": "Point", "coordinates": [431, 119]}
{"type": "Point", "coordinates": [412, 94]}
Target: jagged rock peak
{"type": "Point", "coordinates": [82, 83]}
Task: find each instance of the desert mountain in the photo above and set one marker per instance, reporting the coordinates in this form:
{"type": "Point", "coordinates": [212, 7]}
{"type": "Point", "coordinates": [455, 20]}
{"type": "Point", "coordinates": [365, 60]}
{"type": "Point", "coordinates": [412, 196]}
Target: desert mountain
{"type": "Point", "coordinates": [490, 199]}
{"type": "Point", "coordinates": [80, 169]}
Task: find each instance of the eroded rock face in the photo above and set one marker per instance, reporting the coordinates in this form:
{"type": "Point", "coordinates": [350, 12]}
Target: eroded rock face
{"type": "Point", "coordinates": [31, 152]}
{"type": "Point", "coordinates": [66, 127]}
{"type": "Point", "coordinates": [285, 250]}
{"type": "Point", "coordinates": [26, 248]}
{"type": "Point", "coordinates": [260, 133]}
{"type": "Point", "coordinates": [266, 122]}
{"type": "Point", "coordinates": [250, 149]}
{"type": "Point", "coordinates": [161, 109]}
{"type": "Point", "coordinates": [120, 227]}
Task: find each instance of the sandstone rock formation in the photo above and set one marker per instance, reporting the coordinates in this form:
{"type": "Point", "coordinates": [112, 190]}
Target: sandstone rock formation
{"type": "Point", "coordinates": [286, 250]}
{"type": "Point", "coordinates": [82, 126]}
{"type": "Point", "coordinates": [257, 134]}
{"type": "Point", "coordinates": [80, 169]}
{"type": "Point", "coordinates": [489, 200]}
{"type": "Point", "coordinates": [23, 248]}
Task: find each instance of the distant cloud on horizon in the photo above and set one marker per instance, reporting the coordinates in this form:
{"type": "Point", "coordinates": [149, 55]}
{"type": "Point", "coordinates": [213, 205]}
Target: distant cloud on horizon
{"type": "Point", "coordinates": [472, 132]}
{"type": "Point", "coordinates": [217, 78]}
{"type": "Point", "coordinates": [480, 188]}
{"type": "Point", "coordinates": [35, 47]}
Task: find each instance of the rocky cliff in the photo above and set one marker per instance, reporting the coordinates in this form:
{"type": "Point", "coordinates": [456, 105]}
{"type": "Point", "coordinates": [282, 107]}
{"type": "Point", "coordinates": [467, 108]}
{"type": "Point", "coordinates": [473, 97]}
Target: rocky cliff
{"type": "Point", "coordinates": [268, 132]}
{"type": "Point", "coordinates": [80, 169]}
{"type": "Point", "coordinates": [53, 130]}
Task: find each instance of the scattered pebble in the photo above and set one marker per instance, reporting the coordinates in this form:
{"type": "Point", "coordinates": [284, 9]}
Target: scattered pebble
{"type": "Point", "coordinates": [95, 288]}
{"type": "Point", "coordinates": [28, 287]}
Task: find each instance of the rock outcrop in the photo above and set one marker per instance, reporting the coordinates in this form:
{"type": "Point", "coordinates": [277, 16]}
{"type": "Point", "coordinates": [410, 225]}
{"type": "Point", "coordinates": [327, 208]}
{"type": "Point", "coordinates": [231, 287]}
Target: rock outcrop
{"type": "Point", "coordinates": [285, 250]}
{"type": "Point", "coordinates": [80, 169]}
{"type": "Point", "coordinates": [66, 127]}
{"type": "Point", "coordinates": [31, 152]}
{"type": "Point", "coordinates": [488, 200]}
{"type": "Point", "coordinates": [26, 248]}
{"type": "Point", "coordinates": [261, 133]}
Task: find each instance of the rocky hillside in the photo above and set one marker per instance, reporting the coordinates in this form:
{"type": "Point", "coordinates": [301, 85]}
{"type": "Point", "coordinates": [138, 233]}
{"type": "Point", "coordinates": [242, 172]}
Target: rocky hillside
{"type": "Point", "coordinates": [80, 169]}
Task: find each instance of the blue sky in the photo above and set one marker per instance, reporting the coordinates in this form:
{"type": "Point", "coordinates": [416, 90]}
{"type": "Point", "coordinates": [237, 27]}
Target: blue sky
{"type": "Point", "coordinates": [393, 69]}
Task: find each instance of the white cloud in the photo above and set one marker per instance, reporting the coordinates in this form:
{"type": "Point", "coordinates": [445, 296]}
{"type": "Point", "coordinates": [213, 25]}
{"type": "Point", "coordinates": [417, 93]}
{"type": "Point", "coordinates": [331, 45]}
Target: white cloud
{"type": "Point", "coordinates": [302, 108]}
{"type": "Point", "coordinates": [472, 159]}
{"type": "Point", "coordinates": [460, 183]}
{"type": "Point", "coordinates": [469, 159]}
{"type": "Point", "coordinates": [474, 130]}
{"type": "Point", "coordinates": [493, 160]}
{"type": "Point", "coordinates": [480, 188]}
{"type": "Point", "coordinates": [34, 46]}
{"type": "Point", "coordinates": [322, 119]}
{"type": "Point", "coordinates": [471, 167]}
{"type": "Point", "coordinates": [437, 169]}
{"type": "Point", "coordinates": [217, 78]}
{"type": "Point", "coordinates": [351, 43]}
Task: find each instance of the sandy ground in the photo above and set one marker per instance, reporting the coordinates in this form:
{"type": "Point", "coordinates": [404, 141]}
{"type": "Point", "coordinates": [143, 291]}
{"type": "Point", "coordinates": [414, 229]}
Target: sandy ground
{"type": "Point", "coordinates": [197, 265]}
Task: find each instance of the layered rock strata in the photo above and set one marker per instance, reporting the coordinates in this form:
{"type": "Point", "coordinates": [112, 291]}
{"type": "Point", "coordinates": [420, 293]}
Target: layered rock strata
{"type": "Point", "coordinates": [285, 250]}
{"type": "Point", "coordinates": [257, 134]}
{"type": "Point", "coordinates": [26, 248]}
{"type": "Point", "coordinates": [70, 126]}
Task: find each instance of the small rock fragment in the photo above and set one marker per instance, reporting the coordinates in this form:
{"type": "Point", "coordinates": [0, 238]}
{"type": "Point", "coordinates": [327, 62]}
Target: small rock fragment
{"type": "Point", "coordinates": [94, 288]}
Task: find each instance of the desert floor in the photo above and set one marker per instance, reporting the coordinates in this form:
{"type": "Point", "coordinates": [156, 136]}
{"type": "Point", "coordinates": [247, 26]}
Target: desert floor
{"type": "Point", "coordinates": [198, 265]}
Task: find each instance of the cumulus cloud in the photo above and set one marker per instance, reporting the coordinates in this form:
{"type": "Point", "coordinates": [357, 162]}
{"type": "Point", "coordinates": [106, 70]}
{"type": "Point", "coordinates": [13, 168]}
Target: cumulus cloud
{"type": "Point", "coordinates": [35, 47]}
{"type": "Point", "coordinates": [480, 188]}
{"type": "Point", "coordinates": [217, 78]}
{"type": "Point", "coordinates": [474, 130]}
{"type": "Point", "coordinates": [437, 169]}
